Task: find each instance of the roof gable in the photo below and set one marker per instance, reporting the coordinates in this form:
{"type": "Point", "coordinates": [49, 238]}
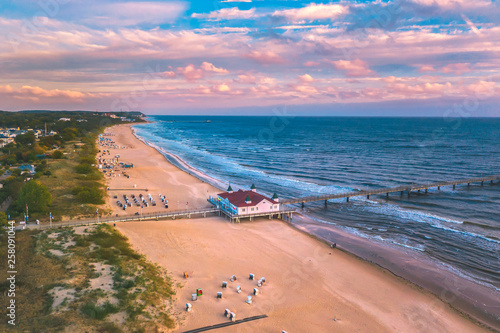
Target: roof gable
{"type": "Point", "coordinates": [238, 198]}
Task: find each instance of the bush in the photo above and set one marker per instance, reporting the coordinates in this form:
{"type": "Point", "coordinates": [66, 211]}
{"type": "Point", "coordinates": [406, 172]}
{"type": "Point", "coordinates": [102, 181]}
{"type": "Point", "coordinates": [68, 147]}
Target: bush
{"type": "Point", "coordinates": [57, 154]}
{"type": "Point", "coordinates": [3, 219]}
{"type": "Point", "coordinates": [84, 169]}
{"type": "Point", "coordinates": [91, 196]}
{"type": "Point", "coordinates": [98, 312]}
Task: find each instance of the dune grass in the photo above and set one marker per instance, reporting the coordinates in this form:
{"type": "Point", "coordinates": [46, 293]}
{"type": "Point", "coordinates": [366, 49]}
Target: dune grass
{"type": "Point", "coordinates": [68, 187]}
{"type": "Point", "coordinates": [141, 292]}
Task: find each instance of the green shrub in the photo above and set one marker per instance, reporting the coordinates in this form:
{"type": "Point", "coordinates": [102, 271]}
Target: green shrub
{"type": "Point", "coordinates": [84, 168]}
{"type": "Point", "coordinates": [90, 310]}
{"type": "Point", "coordinates": [57, 154]}
{"type": "Point", "coordinates": [89, 195]}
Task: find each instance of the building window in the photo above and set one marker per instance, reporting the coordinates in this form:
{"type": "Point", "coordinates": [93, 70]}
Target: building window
{"type": "Point", "coordinates": [252, 209]}
{"type": "Point", "coordinates": [256, 208]}
{"type": "Point", "coordinates": [243, 210]}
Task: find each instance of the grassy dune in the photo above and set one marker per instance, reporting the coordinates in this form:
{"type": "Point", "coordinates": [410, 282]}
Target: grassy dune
{"type": "Point", "coordinates": [87, 279]}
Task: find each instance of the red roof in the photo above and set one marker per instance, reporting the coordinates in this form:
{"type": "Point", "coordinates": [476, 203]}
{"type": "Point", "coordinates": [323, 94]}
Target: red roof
{"type": "Point", "coordinates": [238, 198]}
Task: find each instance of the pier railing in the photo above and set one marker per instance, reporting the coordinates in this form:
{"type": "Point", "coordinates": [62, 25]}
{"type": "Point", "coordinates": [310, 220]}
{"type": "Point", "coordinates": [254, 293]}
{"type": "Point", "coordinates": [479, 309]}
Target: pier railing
{"type": "Point", "coordinates": [125, 218]}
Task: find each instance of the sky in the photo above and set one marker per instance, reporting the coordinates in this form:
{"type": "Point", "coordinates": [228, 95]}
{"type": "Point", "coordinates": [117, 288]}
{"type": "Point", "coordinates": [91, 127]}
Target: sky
{"type": "Point", "coordinates": [406, 58]}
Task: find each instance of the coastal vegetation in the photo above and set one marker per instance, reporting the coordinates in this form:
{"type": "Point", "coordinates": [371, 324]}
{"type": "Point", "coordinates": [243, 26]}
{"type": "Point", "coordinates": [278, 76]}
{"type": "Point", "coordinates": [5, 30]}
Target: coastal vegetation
{"type": "Point", "coordinates": [61, 147]}
{"type": "Point", "coordinates": [86, 278]}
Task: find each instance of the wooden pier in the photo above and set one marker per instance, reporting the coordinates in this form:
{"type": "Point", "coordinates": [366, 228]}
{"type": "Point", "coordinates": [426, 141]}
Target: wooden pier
{"type": "Point", "coordinates": [401, 189]}
{"type": "Point", "coordinates": [201, 212]}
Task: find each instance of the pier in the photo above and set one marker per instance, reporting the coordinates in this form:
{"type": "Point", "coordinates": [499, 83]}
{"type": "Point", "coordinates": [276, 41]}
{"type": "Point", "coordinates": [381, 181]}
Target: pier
{"type": "Point", "coordinates": [201, 212]}
{"type": "Point", "coordinates": [399, 189]}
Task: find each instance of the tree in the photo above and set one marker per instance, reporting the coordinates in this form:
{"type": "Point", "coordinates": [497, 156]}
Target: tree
{"type": "Point", "coordinates": [36, 196]}
{"type": "Point", "coordinates": [25, 139]}
{"type": "Point", "coordinates": [3, 220]}
{"type": "Point", "coordinates": [69, 134]}
{"type": "Point", "coordinates": [57, 154]}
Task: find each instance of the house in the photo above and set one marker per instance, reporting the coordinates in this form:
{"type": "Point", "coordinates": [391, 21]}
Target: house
{"type": "Point", "coordinates": [246, 202]}
{"type": "Point", "coordinates": [64, 119]}
{"type": "Point", "coordinates": [30, 168]}
{"type": "Point", "coordinates": [5, 141]}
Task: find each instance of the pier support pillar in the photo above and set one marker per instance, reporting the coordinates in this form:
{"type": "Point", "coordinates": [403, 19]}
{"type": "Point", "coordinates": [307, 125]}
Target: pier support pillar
{"type": "Point", "coordinates": [368, 196]}
{"type": "Point", "coordinates": [425, 190]}
{"type": "Point", "coordinates": [482, 183]}
{"type": "Point", "coordinates": [326, 203]}
{"type": "Point", "coordinates": [409, 193]}
{"type": "Point", "coordinates": [347, 199]}
{"type": "Point", "coordinates": [468, 184]}
{"type": "Point", "coordinates": [387, 195]}
{"type": "Point", "coordinates": [491, 181]}
{"type": "Point", "coordinates": [453, 186]}
{"type": "Point", "coordinates": [303, 204]}
{"type": "Point", "coordinates": [439, 188]}
{"type": "Point", "coordinates": [401, 193]}
{"type": "Point", "coordinates": [418, 191]}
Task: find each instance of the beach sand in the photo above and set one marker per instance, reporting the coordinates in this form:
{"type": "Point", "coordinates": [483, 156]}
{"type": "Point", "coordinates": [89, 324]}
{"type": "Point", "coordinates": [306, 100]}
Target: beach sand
{"type": "Point", "coordinates": [153, 172]}
{"type": "Point", "coordinates": [309, 286]}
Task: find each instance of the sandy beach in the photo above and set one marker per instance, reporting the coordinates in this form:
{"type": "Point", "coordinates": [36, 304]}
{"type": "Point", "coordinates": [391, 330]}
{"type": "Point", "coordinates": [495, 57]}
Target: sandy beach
{"type": "Point", "coordinates": [153, 172]}
{"type": "Point", "coordinates": [309, 286]}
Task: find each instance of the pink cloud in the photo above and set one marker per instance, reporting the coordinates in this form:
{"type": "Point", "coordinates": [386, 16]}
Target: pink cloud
{"type": "Point", "coordinates": [306, 78]}
{"type": "Point", "coordinates": [454, 4]}
{"type": "Point", "coordinates": [306, 89]}
{"type": "Point", "coordinates": [191, 73]}
{"type": "Point", "coordinates": [389, 79]}
{"type": "Point", "coordinates": [482, 89]}
{"type": "Point", "coordinates": [311, 63]}
{"type": "Point", "coordinates": [226, 14]}
{"type": "Point", "coordinates": [354, 68]}
{"type": "Point", "coordinates": [246, 78]}
{"type": "Point", "coordinates": [413, 91]}
{"type": "Point", "coordinates": [313, 12]}
{"type": "Point", "coordinates": [426, 68]}
{"type": "Point", "coordinates": [265, 57]}
{"type": "Point", "coordinates": [457, 68]}
{"type": "Point", "coordinates": [208, 67]}
{"type": "Point", "coordinates": [40, 92]}
{"type": "Point", "coordinates": [169, 74]}
{"type": "Point", "coordinates": [27, 95]}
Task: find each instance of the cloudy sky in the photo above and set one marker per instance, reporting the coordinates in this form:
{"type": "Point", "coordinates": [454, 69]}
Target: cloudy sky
{"type": "Point", "coordinates": [413, 57]}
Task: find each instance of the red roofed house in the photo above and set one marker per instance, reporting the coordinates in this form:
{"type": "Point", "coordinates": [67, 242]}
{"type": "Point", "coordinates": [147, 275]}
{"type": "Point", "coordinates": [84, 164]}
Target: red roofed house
{"type": "Point", "coordinates": [246, 202]}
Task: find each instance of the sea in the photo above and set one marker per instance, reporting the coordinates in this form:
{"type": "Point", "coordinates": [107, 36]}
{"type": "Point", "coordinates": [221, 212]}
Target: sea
{"type": "Point", "coordinates": [457, 230]}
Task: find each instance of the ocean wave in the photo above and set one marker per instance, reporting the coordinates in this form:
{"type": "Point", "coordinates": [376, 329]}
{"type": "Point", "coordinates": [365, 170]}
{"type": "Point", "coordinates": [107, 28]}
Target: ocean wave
{"type": "Point", "coordinates": [406, 214]}
{"type": "Point", "coordinates": [232, 166]}
{"type": "Point", "coordinates": [467, 233]}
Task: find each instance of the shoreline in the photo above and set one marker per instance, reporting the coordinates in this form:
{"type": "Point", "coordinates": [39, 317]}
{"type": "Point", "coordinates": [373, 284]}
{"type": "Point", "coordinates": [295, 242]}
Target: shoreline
{"type": "Point", "coordinates": [311, 234]}
{"type": "Point", "coordinates": [413, 268]}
